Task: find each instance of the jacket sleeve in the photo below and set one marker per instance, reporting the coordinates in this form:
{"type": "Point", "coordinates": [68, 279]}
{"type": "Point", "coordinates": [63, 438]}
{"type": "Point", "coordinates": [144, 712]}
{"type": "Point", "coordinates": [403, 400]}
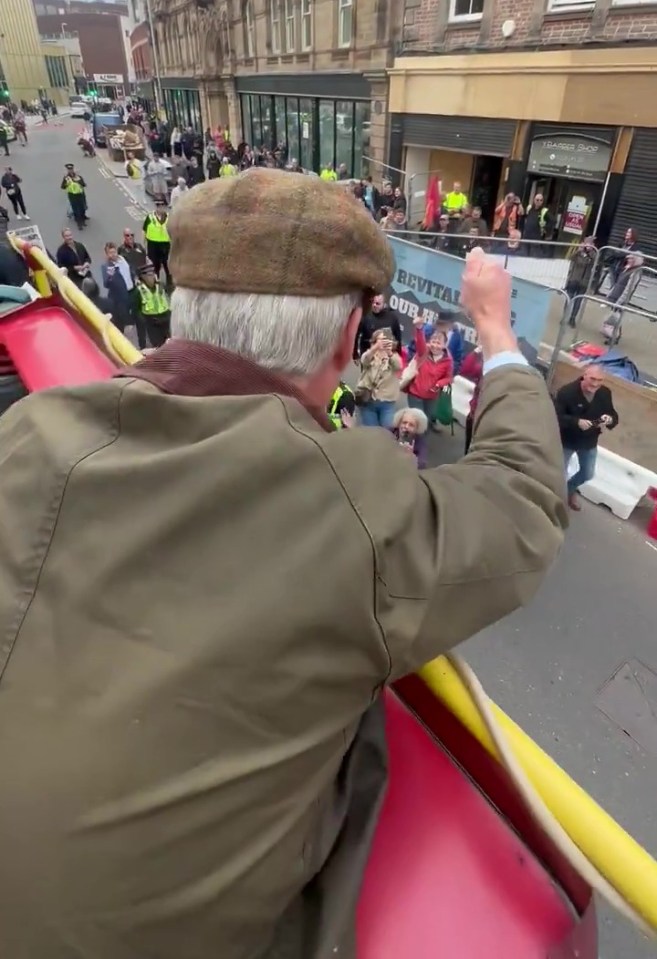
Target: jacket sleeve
{"type": "Point", "coordinates": [359, 337]}
{"type": "Point", "coordinates": [565, 418]}
{"type": "Point", "coordinates": [479, 535]}
{"type": "Point", "coordinates": [420, 342]}
{"type": "Point", "coordinates": [611, 409]}
{"type": "Point", "coordinates": [446, 373]}
{"type": "Point", "coordinates": [397, 333]}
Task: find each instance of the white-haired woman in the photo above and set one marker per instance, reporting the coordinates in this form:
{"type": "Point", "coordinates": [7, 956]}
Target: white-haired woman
{"type": "Point", "coordinates": [409, 427]}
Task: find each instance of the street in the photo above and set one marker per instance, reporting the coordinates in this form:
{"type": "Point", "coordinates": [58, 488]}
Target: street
{"type": "Point", "coordinates": [545, 665]}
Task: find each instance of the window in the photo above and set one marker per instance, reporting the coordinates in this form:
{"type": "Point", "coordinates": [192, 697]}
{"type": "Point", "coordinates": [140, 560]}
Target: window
{"type": "Point", "coordinates": [289, 26]}
{"type": "Point", "coordinates": [326, 132]}
{"type": "Point", "coordinates": [306, 24]}
{"type": "Point", "coordinates": [249, 39]}
{"type": "Point", "coordinates": [345, 22]}
{"type": "Point", "coordinates": [362, 139]}
{"type": "Point", "coordinates": [633, 3]}
{"type": "Point", "coordinates": [570, 5]}
{"type": "Point", "coordinates": [275, 22]}
{"type": "Point", "coordinates": [344, 136]}
{"type": "Point", "coordinates": [465, 10]}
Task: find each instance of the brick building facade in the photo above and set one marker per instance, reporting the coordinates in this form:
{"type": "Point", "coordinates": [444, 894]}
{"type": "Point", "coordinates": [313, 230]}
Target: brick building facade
{"type": "Point", "coordinates": [310, 74]}
{"type": "Point", "coordinates": [527, 95]}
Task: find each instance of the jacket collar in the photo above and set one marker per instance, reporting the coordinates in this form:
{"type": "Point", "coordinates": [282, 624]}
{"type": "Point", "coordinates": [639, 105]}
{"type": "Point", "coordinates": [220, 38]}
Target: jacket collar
{"type": "Point", "coordinates": [186, 368]}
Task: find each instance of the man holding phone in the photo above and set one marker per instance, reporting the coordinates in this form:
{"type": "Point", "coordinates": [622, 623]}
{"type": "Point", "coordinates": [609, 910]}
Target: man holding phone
{"type": "Point", "coordinates": [584, 407]}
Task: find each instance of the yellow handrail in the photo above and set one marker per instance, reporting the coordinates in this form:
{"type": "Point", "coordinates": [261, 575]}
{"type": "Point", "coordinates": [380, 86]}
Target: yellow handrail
{"type": "Point", "coordinates": [120, 345]}
{"type": "Point", "coordinates": [616, 855]}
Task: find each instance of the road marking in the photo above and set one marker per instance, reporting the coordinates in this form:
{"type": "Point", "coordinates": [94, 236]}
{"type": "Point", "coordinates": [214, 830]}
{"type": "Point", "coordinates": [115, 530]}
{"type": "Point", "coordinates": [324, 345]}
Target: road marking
{"type": "Point", "coordinates": [135, 212]}
{"type": "Point", "coordinates": [651, 545]}
{"type": "Point", "coordinates": [104, 172]}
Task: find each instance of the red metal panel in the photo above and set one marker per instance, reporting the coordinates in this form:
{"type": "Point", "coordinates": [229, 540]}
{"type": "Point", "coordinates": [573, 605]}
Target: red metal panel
{"type": "Point", "coordinates": [447, 876]}
{"type": "Point", "coordinates": [49, 348]}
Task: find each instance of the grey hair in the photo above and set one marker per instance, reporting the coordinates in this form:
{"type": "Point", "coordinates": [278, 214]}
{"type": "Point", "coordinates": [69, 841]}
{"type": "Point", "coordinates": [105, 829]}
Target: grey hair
{"type": "Point", "coordinates": [294, 335]}
{"type": "Point", "coordinates": [420, 417]}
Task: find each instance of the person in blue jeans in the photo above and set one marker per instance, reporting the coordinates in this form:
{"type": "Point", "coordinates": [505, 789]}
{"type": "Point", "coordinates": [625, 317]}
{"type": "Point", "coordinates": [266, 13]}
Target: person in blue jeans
{"type": "Point", "coordinates": [584, 407]}
{"type": "Point", "coordinates": [378, 388]}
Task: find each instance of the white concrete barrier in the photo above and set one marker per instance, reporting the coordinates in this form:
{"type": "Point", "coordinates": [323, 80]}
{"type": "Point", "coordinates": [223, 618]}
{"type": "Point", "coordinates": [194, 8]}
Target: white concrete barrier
{"type": "Point", "coordinates": [618, 483]}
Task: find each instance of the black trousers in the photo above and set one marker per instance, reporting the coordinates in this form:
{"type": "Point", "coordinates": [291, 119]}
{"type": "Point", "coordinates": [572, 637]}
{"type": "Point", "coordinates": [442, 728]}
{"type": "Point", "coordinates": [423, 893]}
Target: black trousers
{"type": "Point", "coordinates": [469, 426]}
{"type": "Point", "coordinates": [18, 202]}
{"type": "Point", "coordinates": [125, 313]}
{"type": "Point", "coordinates": [158, 254]}
{"type": "Point", "coordinates": [5, 146]}
{"type": "Point", "coordinates": [158, 329]}
{"type": "Point", "coordinates": [78, 208]}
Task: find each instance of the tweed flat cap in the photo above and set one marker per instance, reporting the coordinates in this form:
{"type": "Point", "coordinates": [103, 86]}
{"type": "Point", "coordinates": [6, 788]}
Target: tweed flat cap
{"type": "Point", "coordinates": [270, 231]}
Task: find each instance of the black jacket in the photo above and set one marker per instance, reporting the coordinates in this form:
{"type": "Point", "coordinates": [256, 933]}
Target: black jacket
{"type": "Point", "coordinates": [572, 405]}
{"type": "Point", "coordinates": [385, 320]}
{"type": "Point", "coordinates": [70, 257]}
{"type": "Point", "coordinates": [13, 268]}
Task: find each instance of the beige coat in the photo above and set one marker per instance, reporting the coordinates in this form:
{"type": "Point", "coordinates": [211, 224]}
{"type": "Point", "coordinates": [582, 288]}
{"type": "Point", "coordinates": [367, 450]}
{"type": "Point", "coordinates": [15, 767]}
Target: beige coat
{"type": "Point", "coordinates": [381, 375]}
{"type": "Point", "coordinates": [200, 597]}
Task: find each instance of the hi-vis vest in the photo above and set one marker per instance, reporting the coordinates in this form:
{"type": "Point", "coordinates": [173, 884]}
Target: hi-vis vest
{"type": "Point", "coordinates": [542, 217]}
{"type": "Point", "coordinates": [228, 169]}
{"type": "Point", "coordinates": [74, 187]}
{"type": "Point", "coordinates": [454, 202]}
{"type": "Point", "coordinates": [328, 175]}
{"type": "Point", "coordinates": [156, 231]}
{"type": "Point", "coordinates": [334, 416]}
{"type": "Point", "coordinates": [154, 301]}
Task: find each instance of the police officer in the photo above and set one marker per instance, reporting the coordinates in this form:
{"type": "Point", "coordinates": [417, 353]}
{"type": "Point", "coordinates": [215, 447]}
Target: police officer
{"type": "Point", "coordinates": [154, 306]}
{"type": "Point", "coordinates": [342, 402]}
{"type": "Point", "coordinates": [75, 187]}
{"type": "Point", "coordinates": [156, 234]}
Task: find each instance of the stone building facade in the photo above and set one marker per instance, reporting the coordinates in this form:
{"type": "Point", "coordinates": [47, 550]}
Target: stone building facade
{"type": "Point", "coordinates": [307, 73]}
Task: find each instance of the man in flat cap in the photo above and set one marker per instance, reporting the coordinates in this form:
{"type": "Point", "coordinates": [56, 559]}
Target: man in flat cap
{"type": "Point", "coordinates": [204, 589]}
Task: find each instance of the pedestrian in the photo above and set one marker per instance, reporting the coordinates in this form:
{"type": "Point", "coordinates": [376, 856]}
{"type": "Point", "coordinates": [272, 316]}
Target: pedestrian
{"type": "Point", "coordinates": [4, 139]}
{"type": "Point", "coordinates": [207, 589]}
{"type": "Point", "coordinates": [377, 391]}
{"type": "Point", "coordinates": [11, 184]}
{"type": "Point", "coordinates": [13, 268]}
{"type": "Point", "coordinates": [584, 408]}
{"type": "Point", "coordinates": [227, 168]}
{"type": "Point", "coordinates": [20, 127]}
{"type": "Point", "coordinates": [379, 317]}
{"type": "Point", "coordinates": [341, 406]}
{"type": "Point", "coordinates": [74, 257]}
{"type": "Point", "coordinates": [120, 286]}
{"type": "Point", "coordinates": [472, 369]}
{"type": "Point", "coordinates": [156, 234]}
{"type": "Point", "coordinates": [538, 225]}
{"type": "Point", "coordinates": [507, 217]}
{"type": "Point", "coordinates": [155, 174]}
{"type": "Point", "coordinates": [213, 162]}
{"type": "Point", "coordinates": [409, 427]}
{"type": "Point", "coordinates": [195, 173]}
{"type": "Point", "coordinates": [132, 252]}
{"type": "Point", "coordinates": [91, 290]}
{"type": "Point", "coordinates": [75, 187]}
{"type": "Point", "coordinates": [579, 275]}
{"type": "Point", "coordinates": [434, 369]}
{"type": "Point", "coordinates": [179, 190]}
{"type": "Point", "coordinates": [154, 307]}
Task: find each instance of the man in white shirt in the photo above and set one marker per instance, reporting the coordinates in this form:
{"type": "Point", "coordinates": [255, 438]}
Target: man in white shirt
{"type": "Point", "coordinates": [179, 190]}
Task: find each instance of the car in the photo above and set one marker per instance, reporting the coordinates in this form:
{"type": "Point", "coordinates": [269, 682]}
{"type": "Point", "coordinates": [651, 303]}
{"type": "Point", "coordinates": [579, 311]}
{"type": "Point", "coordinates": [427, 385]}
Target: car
{"type": "Point", "coordinates": [11, 133]}
{"type": "Point", "coordinates": [79, 108]}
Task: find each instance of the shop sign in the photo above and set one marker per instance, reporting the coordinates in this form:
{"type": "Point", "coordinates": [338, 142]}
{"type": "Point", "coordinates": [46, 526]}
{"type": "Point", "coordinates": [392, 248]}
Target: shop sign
{"type": "Point", "coordinates": [108, 77]}
{"type": "Point", "coordinates": [568, 155]}
{"type": "Point", "coordinates": [428, 281]}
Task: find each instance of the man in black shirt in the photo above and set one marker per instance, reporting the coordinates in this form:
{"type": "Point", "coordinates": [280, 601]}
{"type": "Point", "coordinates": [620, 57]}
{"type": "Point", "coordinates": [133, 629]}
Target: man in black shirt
{"type": "Point", "coordinates": [583, 408]}
{"type": "Point", "coordinates": [380, 317]}
{"type": "Point", "coordinates": [74, 257]}
{"type": "Point", "coordinates": [133, 253]}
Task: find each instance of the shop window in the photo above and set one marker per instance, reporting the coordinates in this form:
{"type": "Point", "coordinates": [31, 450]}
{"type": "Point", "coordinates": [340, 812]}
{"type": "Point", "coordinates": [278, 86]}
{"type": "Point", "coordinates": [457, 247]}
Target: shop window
{"type": "Point", "coordinates": [290, 39]}
{"type": "Point", "coordinates": [275, 25]}
{"type": "Point", "coordinates": [267, 121]}
{"type": "Point", "coordinates": [306, 131]}
{"type": "Point", "coordinates": [255, 119]}
{"type": "Point", "coordinates": [326, 132]}
{"type": "Point", "coordinates": [247, 130]}
{"type": "Point", "coordinates": [345, 22]}
{"type": "Point", "coordinates": [249, 38]}
{"type": "Point", "coordinates": [344, 135]}
{"type": "Point", "coordinates": [361, 139]}
{"type": "Point", "coordinates": [292, 132]}
{"type": "Point", "coordinates": [306, 24]}
{"type": "Point", "coordinates": [569, 5]}
{"type": "Point", "coordinates": [279, 113]}
{"type": "Point", "coordinates": [463, 10]}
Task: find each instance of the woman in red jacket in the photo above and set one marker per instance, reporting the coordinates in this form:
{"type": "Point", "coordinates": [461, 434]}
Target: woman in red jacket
{"type": "Point", "coordinates": [472, 369]}
{"type": "Point", "coordinates": [435, 369]}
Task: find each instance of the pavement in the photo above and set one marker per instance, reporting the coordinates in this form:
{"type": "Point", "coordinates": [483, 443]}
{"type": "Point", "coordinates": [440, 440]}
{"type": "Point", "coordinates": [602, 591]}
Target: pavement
{"type": "Point", "coordinates": [546, 665]}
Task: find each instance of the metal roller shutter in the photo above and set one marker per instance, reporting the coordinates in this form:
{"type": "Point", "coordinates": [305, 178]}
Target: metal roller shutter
{"type": "Point", "coordinates": [637, 206]}
{"type": "Point", "coordinates": [463, 134]}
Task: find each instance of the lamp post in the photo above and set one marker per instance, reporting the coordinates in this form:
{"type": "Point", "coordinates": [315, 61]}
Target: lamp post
{"type": "Point", "coordinates": [157, 86]}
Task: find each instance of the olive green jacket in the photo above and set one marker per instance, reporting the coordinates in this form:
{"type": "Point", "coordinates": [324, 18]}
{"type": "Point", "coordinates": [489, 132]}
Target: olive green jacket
{"type": "Point", "coordinates": [201, 595]}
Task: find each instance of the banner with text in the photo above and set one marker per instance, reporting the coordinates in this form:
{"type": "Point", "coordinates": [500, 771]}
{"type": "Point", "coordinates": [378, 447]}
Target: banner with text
{"type": "Point", "coordinates": [429, 281]}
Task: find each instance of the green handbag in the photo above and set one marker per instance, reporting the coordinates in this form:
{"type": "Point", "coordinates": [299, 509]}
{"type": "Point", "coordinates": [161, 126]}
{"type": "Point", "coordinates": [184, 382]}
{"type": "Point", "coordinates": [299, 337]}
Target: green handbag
{"type": "Point", "coordinates": [442, 411]}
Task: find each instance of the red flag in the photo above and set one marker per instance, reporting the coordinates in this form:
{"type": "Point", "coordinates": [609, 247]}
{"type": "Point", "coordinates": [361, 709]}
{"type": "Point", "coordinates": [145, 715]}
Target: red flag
{"type": "Point", "coordinates": [432, 207]}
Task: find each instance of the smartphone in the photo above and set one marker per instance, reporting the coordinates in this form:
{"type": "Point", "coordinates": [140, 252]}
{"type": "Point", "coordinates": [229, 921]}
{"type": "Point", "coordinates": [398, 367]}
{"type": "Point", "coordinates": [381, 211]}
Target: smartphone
{"type": "Point", "coordinates": [405, 438]}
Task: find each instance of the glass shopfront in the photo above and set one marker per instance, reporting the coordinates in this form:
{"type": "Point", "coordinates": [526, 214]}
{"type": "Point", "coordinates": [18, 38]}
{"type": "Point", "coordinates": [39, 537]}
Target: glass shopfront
{"type": "Point", "coordinates": [315, 130]}
{"type": "Point", "coordinates": [183, 108]}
